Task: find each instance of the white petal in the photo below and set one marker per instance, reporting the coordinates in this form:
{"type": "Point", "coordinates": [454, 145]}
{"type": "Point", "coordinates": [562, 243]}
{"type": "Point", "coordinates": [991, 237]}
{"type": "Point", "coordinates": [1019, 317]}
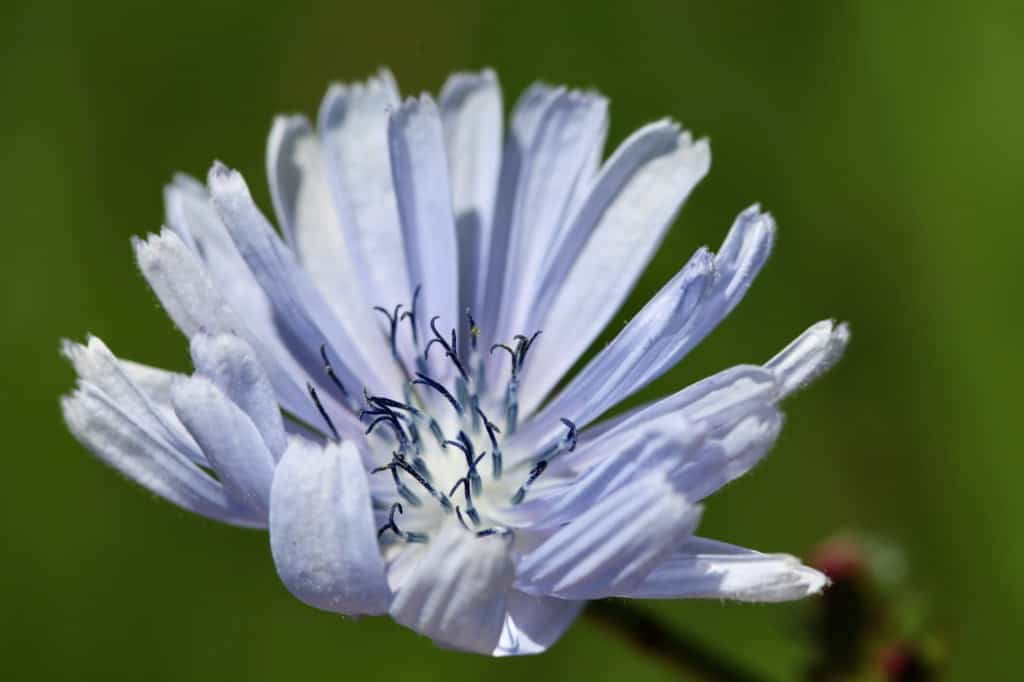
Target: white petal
{"type": "Point", "coordinates": [117, 439]}
{"type": "Point", "coordinates": [535, 623]}
{"type": "Point", "coordinates": [420, 170]}
{"type": "Point", "coordinates": [302, 199]}
{"type": "Point", "coordinates": [456, 594]}
{"type": "Point", "coordinates": [706, 569]}
{"type": "Point", "coordinates": [563, 142]}
{"type": "Point", "coordinates": [471, 113]}
{"type": "Point", "coordinates": [297, 303]}
{"type": "Point", "coordinates": [154, 382]}
{"type": "Point", "coordinates": [322, 531]}
{"type": "Point", "coordinates": [812, 354]}
{"type": "Point", "coordinates": [610, 242]}
{"type": "Point", "coordinates": [610, 548]}
{"type": "Point", "coordinates": [180, 282]}
{"type": "Point", "coordinates": [232, 365]}
{"type": "Point", "coordinates": [96, 365]}
{"type": "Point", "coordinates": [667, 328]}
{"type": "Point", "coordinates": [353, 124]}
{"type": "Point", "coordinates": [230, 441]}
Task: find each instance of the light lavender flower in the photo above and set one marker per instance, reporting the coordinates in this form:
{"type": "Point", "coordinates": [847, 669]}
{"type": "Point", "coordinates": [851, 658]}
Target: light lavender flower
{"type": "Point", "coordinates": [412, 460]}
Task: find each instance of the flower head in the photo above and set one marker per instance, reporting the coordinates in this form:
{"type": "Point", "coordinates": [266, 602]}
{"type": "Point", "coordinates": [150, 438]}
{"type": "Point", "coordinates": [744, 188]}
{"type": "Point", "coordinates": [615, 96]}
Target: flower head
{"type": "Point", "coordinates": [377, 387]}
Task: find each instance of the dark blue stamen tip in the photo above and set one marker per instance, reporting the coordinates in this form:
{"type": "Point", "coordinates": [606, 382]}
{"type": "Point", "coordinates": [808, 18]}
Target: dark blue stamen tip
{"type": "Point", "coordinates": [538, 469]}
{"type": "Point", "coordinates": [411, 314]}
{"type": "Point", "coordinates": [330, 371]}
{"type": "Point", "coordinates": [425, 380]}
{"type": "Point", "coordinates": [323, 412]}
{"type": "Point", "coordinates": [450, 347]}
{"type": "Point", "coordinates": [502, 532]}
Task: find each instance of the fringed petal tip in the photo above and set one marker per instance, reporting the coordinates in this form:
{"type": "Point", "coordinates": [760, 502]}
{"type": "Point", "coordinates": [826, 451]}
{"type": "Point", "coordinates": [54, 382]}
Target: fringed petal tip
{"type": "Point", "coordinates": [810, 355]}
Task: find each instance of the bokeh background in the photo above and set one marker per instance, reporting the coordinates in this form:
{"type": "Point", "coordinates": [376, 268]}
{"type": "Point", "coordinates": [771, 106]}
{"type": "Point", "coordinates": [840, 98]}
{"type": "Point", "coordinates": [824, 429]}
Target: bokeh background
{"type": "Point", "coordinates": [885, 137]}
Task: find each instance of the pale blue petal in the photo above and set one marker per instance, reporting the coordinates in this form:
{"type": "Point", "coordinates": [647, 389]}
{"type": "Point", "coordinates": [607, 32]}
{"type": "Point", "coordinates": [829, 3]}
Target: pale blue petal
{"type": "Point", "coordinates": [353, 123]}
{"type": "Point", "coordinates": [416, 143]}
{"type": "Point", "coordinates": [607, 247]}
{"type": "Point", "coordinates": [298, 305]}
{"type": "Point", "coordinates": [230, 441]}
{"type": "Point", "coordinates": [729, 453]}
{"type": "Point", "coordinates": [681, 315]}
{"type": "Point", "coordinates": [564, 495]}
{"type": "Point", "coordinates": [535, 623]}
{"type": "Point", "coordinates": [302, 199]}
{"type": "Point", "coordinates": [714, 401]}
{"type": "Point", "coordinates": [666, 325]}
{"type": "Point", "coordinates": [146, 458]}
{"type": "Point", "coordinates": [472, 117]}
{"type": "Point", "coordinates": [612, 546]}
{"type": "Point", "coordinates": [562, 144]}
{"type": "Point", "coordinates": [456, 594]}
{"type": "Point", "coordinates": [809, 356]}
{"type": "Point", "coordinates": [517, 160]}
{"type": "Point", "coordinates": [231, 364]}
{"type": "Point", "coordinates": [322, 532]}
{"type": "Point", "coordinates": [705, 569]}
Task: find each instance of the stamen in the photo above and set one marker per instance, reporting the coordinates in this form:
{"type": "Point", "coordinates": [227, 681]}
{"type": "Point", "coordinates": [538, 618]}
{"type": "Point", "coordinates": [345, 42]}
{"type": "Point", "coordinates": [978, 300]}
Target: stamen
{"type": "Point", "coordinates": [330, 371]}
{"type": "Point", "coordinates": [398, 461]}
{"type": "Point", "coordinates": [512, 353]}
{"type": "Point", "coordinates": [411, 314]}
{"type": "Point", "coordinates": [392, 526]}
{"type": "Point", "coordinates": [535, 472]}
{"type": "Point", "coordinates": [470, 509]}
{"type": "Point", "coordinates": [393, 325]}
{"type": "Point", "coordinates": [320, 408]}
{"type": "Point", "coordinates": [450, 348]}
{"type": "Point", "coordinates": [495, 450]}
{"type": "Point", "coordinates": [427, 381]}
{"type": "Point", "coordinates": [503, 532]}
{"type": "Point", "coordinates": [566, 444]}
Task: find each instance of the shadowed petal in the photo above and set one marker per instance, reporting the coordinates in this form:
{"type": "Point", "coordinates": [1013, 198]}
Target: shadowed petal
{"type": "Point", "coordinates": [612, 546]}
{"type": "Point", "coordinates": [230, 441]}
{"type": "Point", "coordinates": [322, 532]}
{"type": "Point", "coordinates": [416, 143]}
{"type": "Point", "coordinates": [535, 623]}
{"type": "Point", "coordinates": [230, 363]}
{"type": "Point", "coordinates": [456, 593]}
{"type": "Point", "coordinates": [471, 114]}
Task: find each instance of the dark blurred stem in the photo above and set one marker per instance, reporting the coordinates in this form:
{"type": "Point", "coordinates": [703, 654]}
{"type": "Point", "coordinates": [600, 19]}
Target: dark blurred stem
{"type": "Point", "coordinates": [650, 636]}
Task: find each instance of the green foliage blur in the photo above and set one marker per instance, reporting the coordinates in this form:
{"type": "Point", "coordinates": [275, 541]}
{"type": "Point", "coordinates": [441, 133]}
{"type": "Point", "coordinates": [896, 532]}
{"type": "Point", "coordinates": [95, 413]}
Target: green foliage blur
{"type": "Point", "coordinates": [886, 138]}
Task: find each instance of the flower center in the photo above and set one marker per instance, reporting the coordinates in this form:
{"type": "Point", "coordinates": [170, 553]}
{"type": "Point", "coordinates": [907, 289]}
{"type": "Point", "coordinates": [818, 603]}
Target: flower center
{"type": "Point", "coordinates": [442, 443]}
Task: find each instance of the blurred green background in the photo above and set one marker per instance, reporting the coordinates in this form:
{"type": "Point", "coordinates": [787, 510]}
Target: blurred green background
{"type": "Point", "coordinates": [885, 137]}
